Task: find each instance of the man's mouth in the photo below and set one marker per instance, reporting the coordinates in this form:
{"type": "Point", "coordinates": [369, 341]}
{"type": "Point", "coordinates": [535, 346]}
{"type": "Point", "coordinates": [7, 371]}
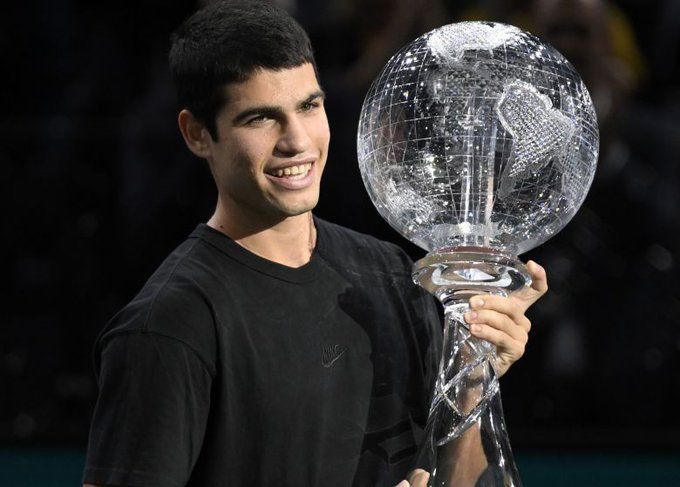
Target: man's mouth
{"type": "Point", "coordinates": [291, 172]}
{"type": "Point", "coordinates": [295, 175]}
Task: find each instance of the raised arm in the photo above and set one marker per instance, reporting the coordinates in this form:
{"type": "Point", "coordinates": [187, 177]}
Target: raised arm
{"type": "Point", "coordinates": [502, 322]}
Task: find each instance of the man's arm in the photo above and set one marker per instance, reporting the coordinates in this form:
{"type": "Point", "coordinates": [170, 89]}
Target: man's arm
{"type": "Point", "coordinates": [502, 322]}
{"type": "Point", "coordinates": [470, 462]}
{"type": "Point", "coordinates": [149, 421]}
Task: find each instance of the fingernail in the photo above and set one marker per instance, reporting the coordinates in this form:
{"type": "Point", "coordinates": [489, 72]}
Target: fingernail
{"type": "Point", "coordinates": [477, 302]}
{"type": "Point", "coordinates": [470, 315]}
{"type": "Point", "coordinates": [476, 328]}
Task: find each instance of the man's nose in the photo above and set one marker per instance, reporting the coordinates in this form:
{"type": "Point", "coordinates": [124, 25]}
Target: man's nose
{"type": "Point", "coordinates": [294, 138]}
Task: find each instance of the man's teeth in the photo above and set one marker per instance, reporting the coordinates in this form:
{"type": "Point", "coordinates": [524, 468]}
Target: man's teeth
{"type": "Point", "coordinates": [299, 171]}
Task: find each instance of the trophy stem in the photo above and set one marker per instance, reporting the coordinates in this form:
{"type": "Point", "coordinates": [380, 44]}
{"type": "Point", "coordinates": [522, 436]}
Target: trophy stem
{"type": "Point", "coordinates": [466, 442]}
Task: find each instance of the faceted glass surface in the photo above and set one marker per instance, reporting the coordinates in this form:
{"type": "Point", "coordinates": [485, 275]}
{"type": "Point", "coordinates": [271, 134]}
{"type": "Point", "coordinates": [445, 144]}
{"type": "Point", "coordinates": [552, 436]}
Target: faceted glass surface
{"type": "Point", "coordinates": [478, 134]}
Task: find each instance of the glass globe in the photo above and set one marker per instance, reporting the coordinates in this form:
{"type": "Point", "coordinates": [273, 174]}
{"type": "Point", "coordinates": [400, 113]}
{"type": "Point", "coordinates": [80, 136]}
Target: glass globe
{"type": "Point", "coordinates": [478, 134]}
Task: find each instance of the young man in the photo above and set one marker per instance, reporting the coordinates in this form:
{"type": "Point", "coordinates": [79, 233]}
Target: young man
{"type": "Point", "coordinates": [271, 347]}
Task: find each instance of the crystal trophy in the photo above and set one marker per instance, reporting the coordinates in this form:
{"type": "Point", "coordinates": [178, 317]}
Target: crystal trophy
{"type": "Point", "coordinates": [477, 142]}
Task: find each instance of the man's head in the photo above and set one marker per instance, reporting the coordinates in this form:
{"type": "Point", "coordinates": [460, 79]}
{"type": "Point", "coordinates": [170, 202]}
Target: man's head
{"type": "Point", "coordinates": [253, 108]}
{"type": "Point", "coordinates": [226, 42]}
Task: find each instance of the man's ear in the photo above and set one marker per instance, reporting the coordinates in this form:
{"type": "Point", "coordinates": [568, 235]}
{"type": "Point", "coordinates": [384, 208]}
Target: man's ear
{"type": "Point", "coordinates": [195, 134]}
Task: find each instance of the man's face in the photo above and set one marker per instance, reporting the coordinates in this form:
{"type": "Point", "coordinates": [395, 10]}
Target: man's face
{"type": "Point", "coordinates": [272, 144]}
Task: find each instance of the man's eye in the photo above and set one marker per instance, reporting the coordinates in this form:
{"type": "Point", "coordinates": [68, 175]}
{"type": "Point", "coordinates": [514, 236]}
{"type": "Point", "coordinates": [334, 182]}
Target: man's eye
{"type": "Point", "coordinates": [310, 106]}
{"type": "Point", "coordinates": [258, 119]}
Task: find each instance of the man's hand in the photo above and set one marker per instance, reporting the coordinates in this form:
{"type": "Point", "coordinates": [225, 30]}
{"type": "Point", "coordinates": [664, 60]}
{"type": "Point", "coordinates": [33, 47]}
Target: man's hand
{"type": "Point", "coordinates": [416, 478]}
{"type": "Point", "coordinates": [501, 321]}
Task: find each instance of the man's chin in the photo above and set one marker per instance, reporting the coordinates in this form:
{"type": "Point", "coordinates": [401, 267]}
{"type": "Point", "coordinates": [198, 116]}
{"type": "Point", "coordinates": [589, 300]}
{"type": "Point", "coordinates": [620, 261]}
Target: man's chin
{"type": "Point", "coordinates": [297, 208]}
{"type": "Point", "coordinates": [298, 211]}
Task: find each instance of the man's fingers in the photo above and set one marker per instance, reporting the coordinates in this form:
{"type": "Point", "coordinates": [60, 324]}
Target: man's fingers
{"type": "Point", "coordinates": [501, 321]}
{"type": "Point", "coordinates": [509, 307]}
{"type": "Point", "coordinates": [518, 328]}
{"type": "Point", "coordinates": [418, 478]}
{"type": "Point", "coordinates": [508, 349]}
{"type": "Point", "coordinates": [505, 344]}
{"type": "Point", "coordinates": [403, 483]}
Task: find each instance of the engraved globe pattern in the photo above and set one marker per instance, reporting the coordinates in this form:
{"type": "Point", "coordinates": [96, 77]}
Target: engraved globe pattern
{"type": "Point", "coordinates": [478, 134]}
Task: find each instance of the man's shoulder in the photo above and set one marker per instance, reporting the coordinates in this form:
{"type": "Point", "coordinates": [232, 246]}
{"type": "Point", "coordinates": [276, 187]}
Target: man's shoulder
{"type": "Point", "coordinates": [174, 302]}
{"type": "Point", "coordinates": [355, 248]}
{"type": "Point", "coordinates": [178, 287]}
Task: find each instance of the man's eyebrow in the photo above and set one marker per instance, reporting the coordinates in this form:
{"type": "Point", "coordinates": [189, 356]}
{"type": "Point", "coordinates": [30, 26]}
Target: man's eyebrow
{"type": "Point", "coordinates": [317, 94]}
{"type": "Point", "coordinates": [273, 110]}
{"type": "Point", "coordinates": [266, 110]}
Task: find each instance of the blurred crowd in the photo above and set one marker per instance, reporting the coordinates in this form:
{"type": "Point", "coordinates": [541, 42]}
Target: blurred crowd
{"type": "Point", "coordinates": [100, 188]}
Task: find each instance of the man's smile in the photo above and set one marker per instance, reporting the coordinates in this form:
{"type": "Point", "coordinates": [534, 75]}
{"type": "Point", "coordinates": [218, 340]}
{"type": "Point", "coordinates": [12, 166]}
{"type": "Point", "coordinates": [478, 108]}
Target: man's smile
{"type": "Point", "coordinates": [292, 175]}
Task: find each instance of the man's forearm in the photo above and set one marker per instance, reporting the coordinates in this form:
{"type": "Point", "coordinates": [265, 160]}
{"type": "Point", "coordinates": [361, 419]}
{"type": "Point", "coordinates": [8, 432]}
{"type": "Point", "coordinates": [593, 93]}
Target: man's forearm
{"type": "Point", "coordinates": [462, 461]}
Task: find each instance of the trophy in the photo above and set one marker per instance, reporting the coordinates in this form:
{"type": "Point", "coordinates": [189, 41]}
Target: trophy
{"type": "Point", "coordinates": [477, 142]}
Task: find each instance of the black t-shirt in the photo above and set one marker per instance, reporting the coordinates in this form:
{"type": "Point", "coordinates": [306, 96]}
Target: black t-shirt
{"type": "Point", "coordinates": [229, 369]}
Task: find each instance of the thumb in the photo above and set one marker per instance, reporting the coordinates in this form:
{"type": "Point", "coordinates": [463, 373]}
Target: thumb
{"type": "Point", "coordinates": [403, 483]}
{"type": "Point", "coordinates": [539, 286]}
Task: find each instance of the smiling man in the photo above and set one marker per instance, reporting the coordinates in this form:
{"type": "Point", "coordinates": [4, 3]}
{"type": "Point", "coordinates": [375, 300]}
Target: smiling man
{"type": "Point", "coordinates": [270, 150]}
{"type": "Point", "coordinates": [271, 347]}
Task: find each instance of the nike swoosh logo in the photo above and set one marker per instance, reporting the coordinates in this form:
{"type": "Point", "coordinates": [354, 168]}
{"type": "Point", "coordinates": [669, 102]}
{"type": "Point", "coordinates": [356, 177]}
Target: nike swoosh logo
{"type": "Point", "coordinates": [330, 355]}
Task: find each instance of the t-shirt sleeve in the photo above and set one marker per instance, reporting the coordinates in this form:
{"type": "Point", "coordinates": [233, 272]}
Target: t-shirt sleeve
{"type": "Point", "coordinates": [430, 318]}
{"type": "Point", "coordinates": [426, 318]}
{"type": "Point", "coordinates": [431, 345]}
{"type": "Point", "coordinates": [149, 421]}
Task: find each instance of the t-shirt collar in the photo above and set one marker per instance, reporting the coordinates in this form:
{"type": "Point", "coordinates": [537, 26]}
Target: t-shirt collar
{"type": "Point", "coordinates": [228, 246]}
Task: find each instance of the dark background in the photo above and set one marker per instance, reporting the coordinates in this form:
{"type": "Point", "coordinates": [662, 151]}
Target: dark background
{"type": "Point", "coordinates": [99, 189]}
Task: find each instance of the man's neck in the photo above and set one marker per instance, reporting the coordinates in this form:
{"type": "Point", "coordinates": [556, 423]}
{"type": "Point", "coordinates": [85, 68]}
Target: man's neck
{"type": "Point", "coordinates": [289, 241]}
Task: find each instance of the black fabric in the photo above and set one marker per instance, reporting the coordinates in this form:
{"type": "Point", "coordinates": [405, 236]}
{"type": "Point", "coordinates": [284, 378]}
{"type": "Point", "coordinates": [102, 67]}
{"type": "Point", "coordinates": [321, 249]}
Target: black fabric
{"type": "Point", "coordinates": [229, 369]}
